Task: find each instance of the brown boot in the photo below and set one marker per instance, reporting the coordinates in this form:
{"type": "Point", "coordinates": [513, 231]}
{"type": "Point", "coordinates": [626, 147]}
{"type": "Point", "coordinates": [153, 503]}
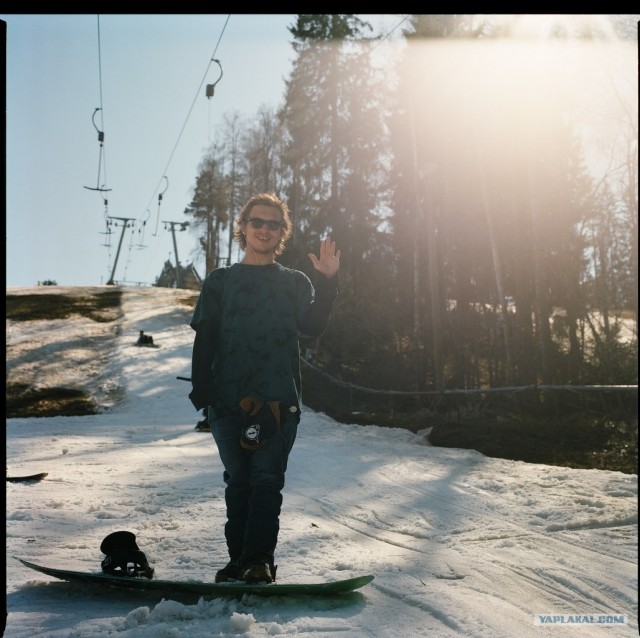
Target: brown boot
{"type": "Point", "coordinates": [259, 573]}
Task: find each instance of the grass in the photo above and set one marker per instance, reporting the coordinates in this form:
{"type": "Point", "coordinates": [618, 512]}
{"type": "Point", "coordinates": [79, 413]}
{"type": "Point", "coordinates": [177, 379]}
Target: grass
{"type": "Point", "coordinates": [23, 400]}
{"type": "Point", "coordinates": [103, 306]}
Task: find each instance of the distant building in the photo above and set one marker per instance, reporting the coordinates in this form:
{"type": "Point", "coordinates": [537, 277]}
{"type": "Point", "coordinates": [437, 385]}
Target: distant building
{"type": "Point", "coordinates": [189, 277]}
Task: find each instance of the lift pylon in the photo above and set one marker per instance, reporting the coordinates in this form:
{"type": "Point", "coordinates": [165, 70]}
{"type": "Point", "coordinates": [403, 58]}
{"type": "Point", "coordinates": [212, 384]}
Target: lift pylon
{"type": "Point", "coordinates": [172, 227]}
{"type": "Point", "coordinates": [126, 222]}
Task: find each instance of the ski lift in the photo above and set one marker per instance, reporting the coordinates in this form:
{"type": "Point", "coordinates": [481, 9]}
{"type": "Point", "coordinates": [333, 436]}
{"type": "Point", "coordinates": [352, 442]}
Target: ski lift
{"type": "Point", "coordinates": [108, 233]}
{"type": "Point", "coordinates": [99, 188]}
{"type": "Point", "coordinates": [155, 233]}
{"type": "Point", "coordinates": [172, 225]}
{"type": "Point", "coordinates": [211, 87]}
{"type": "Point", "coordinates": [141, 230]}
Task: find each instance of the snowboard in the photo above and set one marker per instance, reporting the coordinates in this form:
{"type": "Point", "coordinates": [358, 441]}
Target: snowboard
{"type": "Point", "coordinates": [26, 479]}
{"type": "Point", "coordinates": [329, 588]}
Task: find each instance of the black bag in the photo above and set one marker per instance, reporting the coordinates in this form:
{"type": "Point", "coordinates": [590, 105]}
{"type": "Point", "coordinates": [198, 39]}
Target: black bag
{"type": "Point", "coordinates": [260, 420]}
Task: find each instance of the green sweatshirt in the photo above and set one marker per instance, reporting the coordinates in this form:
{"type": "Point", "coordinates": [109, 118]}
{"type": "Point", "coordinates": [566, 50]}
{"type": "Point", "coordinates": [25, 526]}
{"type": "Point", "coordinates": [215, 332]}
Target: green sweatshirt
{"type": "Point", "coordinates": [247, 322]}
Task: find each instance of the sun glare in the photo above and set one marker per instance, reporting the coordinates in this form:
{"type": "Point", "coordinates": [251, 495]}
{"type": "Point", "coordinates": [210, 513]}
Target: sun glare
{"type": "Point", "coordinates": [554, 26]}
{"type": "Point", "coordinates": [505, 95]}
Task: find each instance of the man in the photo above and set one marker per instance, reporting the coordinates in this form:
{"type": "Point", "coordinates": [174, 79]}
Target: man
{"type": "Point", "coordinates": [246, 369]}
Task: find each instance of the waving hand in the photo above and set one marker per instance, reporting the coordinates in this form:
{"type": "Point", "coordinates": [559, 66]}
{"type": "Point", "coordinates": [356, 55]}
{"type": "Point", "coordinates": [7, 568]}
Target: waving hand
{"type": "Point", "coordinates": [329, 262]}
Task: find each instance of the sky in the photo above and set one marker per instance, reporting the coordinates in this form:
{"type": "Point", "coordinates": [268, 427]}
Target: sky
{"type": "Point", "coordinates": [148, 74]}
{"type": "Point", "coordinates": [460, 544]}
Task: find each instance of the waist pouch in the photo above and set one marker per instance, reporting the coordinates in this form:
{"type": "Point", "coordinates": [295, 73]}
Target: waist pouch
{"type": "Point", "coordinates": [260, 420]}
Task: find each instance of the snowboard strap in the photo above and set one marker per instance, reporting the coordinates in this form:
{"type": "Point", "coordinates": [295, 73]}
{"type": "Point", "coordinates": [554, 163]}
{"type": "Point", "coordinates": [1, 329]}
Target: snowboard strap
{"type": "Point", "coordinates": [123, 556]}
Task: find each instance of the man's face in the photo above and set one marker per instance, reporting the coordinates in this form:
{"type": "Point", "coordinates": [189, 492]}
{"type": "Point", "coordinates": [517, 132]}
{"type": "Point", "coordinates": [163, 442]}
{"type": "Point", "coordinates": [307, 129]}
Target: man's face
{"type": "Point", "coordinates": [260, 237]}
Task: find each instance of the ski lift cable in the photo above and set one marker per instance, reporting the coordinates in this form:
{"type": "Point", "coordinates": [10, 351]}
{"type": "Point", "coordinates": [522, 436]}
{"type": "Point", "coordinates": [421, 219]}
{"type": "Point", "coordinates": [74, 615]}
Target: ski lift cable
{"type": "Point", "coordinates": [378, 41]}
{"type": "Point", "coordinates": [102, 161]}
{"type": "Point", "coordinates": [164, 176]}
{"type": "Point", "coordinates": [101, 100]}
{"type": "Point", "coordinates": [184, 125]}
{"type": "Point", "coordinates": [388, 34]}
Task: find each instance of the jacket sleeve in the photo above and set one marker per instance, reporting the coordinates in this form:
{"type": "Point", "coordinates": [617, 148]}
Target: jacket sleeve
{"type": "Point", "coordinates": [205, 322]}
{"type": "Point", "coordinates": [315, 317]}
{"type": "Point", "coordinates": [204, 348]}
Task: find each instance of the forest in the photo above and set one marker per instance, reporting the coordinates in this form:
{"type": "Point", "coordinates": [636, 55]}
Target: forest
{"type": "Point", "coordinates": [480, 180]}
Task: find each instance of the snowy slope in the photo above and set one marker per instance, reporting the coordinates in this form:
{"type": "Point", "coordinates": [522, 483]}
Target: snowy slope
{"type": "Point", "coordinates": [460, 544]}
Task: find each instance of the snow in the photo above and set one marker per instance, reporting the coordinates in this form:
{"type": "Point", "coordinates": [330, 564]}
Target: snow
{"type": "Point", "coordinates": [460, 544]}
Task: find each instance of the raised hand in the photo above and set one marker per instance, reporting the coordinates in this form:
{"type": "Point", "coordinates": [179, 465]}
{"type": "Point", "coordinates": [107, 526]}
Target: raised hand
{"type": "Point", "coordinates": [329, 262]}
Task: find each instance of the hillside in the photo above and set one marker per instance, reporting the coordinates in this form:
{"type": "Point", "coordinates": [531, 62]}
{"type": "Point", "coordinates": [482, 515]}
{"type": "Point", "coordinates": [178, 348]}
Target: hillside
{"type": "Point", "coordinates": [51, 329]}
{"type": "Point", "coordinates": [460, 544]}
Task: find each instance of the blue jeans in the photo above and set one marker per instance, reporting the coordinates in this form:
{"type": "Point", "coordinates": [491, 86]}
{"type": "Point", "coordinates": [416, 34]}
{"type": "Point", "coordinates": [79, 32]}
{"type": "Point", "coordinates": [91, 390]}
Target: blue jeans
{"type": "Point", "coordinates": [254, 481]}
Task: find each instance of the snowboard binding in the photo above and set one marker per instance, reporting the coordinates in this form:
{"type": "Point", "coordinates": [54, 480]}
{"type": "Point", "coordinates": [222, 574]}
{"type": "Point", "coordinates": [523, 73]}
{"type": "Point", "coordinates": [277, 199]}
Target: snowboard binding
{"type": "Point", "coordinates": [123, 556]}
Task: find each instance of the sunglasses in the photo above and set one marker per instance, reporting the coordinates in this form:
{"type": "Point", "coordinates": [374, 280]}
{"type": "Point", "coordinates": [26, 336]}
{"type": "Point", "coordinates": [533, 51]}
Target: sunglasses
{"type": "Point", "coordinates": [258, 222]}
